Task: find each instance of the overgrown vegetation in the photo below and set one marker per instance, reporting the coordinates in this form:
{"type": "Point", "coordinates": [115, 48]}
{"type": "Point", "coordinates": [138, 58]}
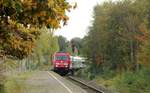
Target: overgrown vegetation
{"type": "Point", "coordinates": [46, 46]}
{"type": "Point", "coordinates": [16, 83]}
{"type": "Point", "coordinates": [131, 82]}
{"type": "Point", "coordinates": [117, 45]}
{"type": "Point", "coordinates": [127, 82]}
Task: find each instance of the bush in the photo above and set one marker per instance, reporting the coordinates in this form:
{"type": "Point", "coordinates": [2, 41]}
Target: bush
{"type": "Point", "coordinates": [138, 82]}
{"type": "Point", "coordinates": [2, 88]}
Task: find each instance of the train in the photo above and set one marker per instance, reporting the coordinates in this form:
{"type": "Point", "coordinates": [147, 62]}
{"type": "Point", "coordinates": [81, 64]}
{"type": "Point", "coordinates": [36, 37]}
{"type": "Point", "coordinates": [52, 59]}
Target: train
{"type": "Point", "coordinates": [64, 63]}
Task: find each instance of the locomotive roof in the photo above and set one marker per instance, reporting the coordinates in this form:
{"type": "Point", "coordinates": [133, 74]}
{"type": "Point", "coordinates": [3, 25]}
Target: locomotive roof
{"type": "Point", "coordinates": [61, 53]}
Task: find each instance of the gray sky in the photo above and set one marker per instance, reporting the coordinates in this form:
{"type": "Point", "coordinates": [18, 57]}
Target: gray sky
{"type": "Point", "coordinates": [79, 19]}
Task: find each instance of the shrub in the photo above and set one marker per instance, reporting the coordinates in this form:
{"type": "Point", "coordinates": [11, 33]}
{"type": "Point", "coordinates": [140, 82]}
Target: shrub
{"type": "Point", "coordinates": [137, 82]}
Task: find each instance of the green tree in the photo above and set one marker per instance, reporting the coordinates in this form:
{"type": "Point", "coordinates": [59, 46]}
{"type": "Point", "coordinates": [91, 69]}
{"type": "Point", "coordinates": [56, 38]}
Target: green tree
{"type": "Point", "coordinates": [62, 41]}
{"type": "Point", "coordinates": [76, 43]}
{"type": "Point", "coordinates": [117, 34]}
{"type": "Point", "coordinates": [46, 46]}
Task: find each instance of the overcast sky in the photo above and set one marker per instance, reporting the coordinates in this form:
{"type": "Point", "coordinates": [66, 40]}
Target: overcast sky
{"type": "Point", "coordinates": [79, 19]}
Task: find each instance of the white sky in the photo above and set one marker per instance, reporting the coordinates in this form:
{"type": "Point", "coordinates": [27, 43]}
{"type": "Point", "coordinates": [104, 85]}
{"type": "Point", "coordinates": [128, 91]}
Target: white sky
{"type": "Point", "coordinates": [79, 19]}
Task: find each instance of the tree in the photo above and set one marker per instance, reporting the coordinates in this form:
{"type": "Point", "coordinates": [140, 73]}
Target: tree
{"type": "Point", "coordinates": [118, 32]}
{"type": "Point", "coordinates": [35, 12]}
{"type": "Point", "coordinates": [76, 44]}
{"type": "Point", "coordinates": [143, 55]}
{"type": "Point", "coordinates": [62, 42]}
{"type": "Point", "coordinates": [20, 21]}
{"type": "Point", "coordinates": [46, 46]}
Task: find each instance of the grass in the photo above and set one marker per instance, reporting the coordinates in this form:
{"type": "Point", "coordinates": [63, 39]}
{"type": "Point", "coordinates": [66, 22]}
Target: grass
{"type": "Point", "coordinates": [128, 82]}
{"type": "Point", "coordinates": [16, 83]}
{"type": "Point", "coordinates": [125, 82]}
{"type": "Point", "coordinates": [138, 82]}
{"type": "Point", "coordinates": [13, 86]}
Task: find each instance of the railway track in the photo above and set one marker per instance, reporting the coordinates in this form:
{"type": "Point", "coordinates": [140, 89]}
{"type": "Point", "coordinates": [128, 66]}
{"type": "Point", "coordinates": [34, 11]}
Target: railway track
{"type": "Point", "coordinates": [88, 87]}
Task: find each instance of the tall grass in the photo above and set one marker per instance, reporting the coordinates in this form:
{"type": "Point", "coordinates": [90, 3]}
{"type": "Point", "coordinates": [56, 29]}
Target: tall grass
{"type": "Point", "coordinates": [16, 83]}
{"type": "Point", "coordinates": [125, 82]}
{"type": "Point", "coordinates": [138, 82]}
{"type": "Point", "coordinates": [13, 86]}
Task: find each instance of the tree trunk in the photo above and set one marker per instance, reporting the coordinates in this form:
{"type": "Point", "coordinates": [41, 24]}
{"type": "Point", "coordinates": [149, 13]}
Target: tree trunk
{"type": "Point", "coordinates": [133, 55]}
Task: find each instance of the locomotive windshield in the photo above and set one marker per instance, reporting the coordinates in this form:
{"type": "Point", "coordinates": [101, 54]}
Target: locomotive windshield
{"type": "Point", "coordinates": [61, 57]}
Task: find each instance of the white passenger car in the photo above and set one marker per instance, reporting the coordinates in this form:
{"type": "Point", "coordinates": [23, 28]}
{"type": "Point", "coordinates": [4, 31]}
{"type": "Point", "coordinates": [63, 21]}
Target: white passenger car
{"type": "Point", "coordinates": [77, 62]}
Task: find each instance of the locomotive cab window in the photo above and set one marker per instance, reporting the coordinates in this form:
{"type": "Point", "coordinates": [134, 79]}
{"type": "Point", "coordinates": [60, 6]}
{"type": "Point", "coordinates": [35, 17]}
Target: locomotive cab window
{"type": "Point", "coordinates": [61, 57]}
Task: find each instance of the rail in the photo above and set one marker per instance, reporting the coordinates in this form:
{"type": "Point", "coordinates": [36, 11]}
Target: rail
{"type": "Point", "coordinates": [85, 84]}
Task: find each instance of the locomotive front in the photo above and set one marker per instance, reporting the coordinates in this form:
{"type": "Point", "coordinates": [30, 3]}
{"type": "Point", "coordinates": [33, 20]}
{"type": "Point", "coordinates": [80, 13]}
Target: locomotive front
{"type": "Point", "coordinates": [61, 62]}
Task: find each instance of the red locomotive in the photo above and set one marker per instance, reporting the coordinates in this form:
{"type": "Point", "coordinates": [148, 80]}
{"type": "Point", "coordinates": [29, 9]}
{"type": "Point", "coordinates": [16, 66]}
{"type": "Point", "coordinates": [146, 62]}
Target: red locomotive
{"type": "Point", "coordinates": [61, 62]}
{"type": "Point", "coordinates": [64, 63]}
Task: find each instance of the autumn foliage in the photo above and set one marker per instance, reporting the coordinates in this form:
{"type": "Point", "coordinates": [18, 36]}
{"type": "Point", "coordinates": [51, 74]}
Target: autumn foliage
{"type": "Point", "coordinates": [119, 36]}
{"type": "Point", "coordinates": [20, 21]}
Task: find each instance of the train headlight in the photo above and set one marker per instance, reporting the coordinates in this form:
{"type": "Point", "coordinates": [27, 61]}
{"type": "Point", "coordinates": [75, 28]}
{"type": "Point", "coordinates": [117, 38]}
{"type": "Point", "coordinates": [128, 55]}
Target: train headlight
{"type": "Point", "coordinates": [56, 65]}
{"type": "Point", "coordinates": [65, 64]}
